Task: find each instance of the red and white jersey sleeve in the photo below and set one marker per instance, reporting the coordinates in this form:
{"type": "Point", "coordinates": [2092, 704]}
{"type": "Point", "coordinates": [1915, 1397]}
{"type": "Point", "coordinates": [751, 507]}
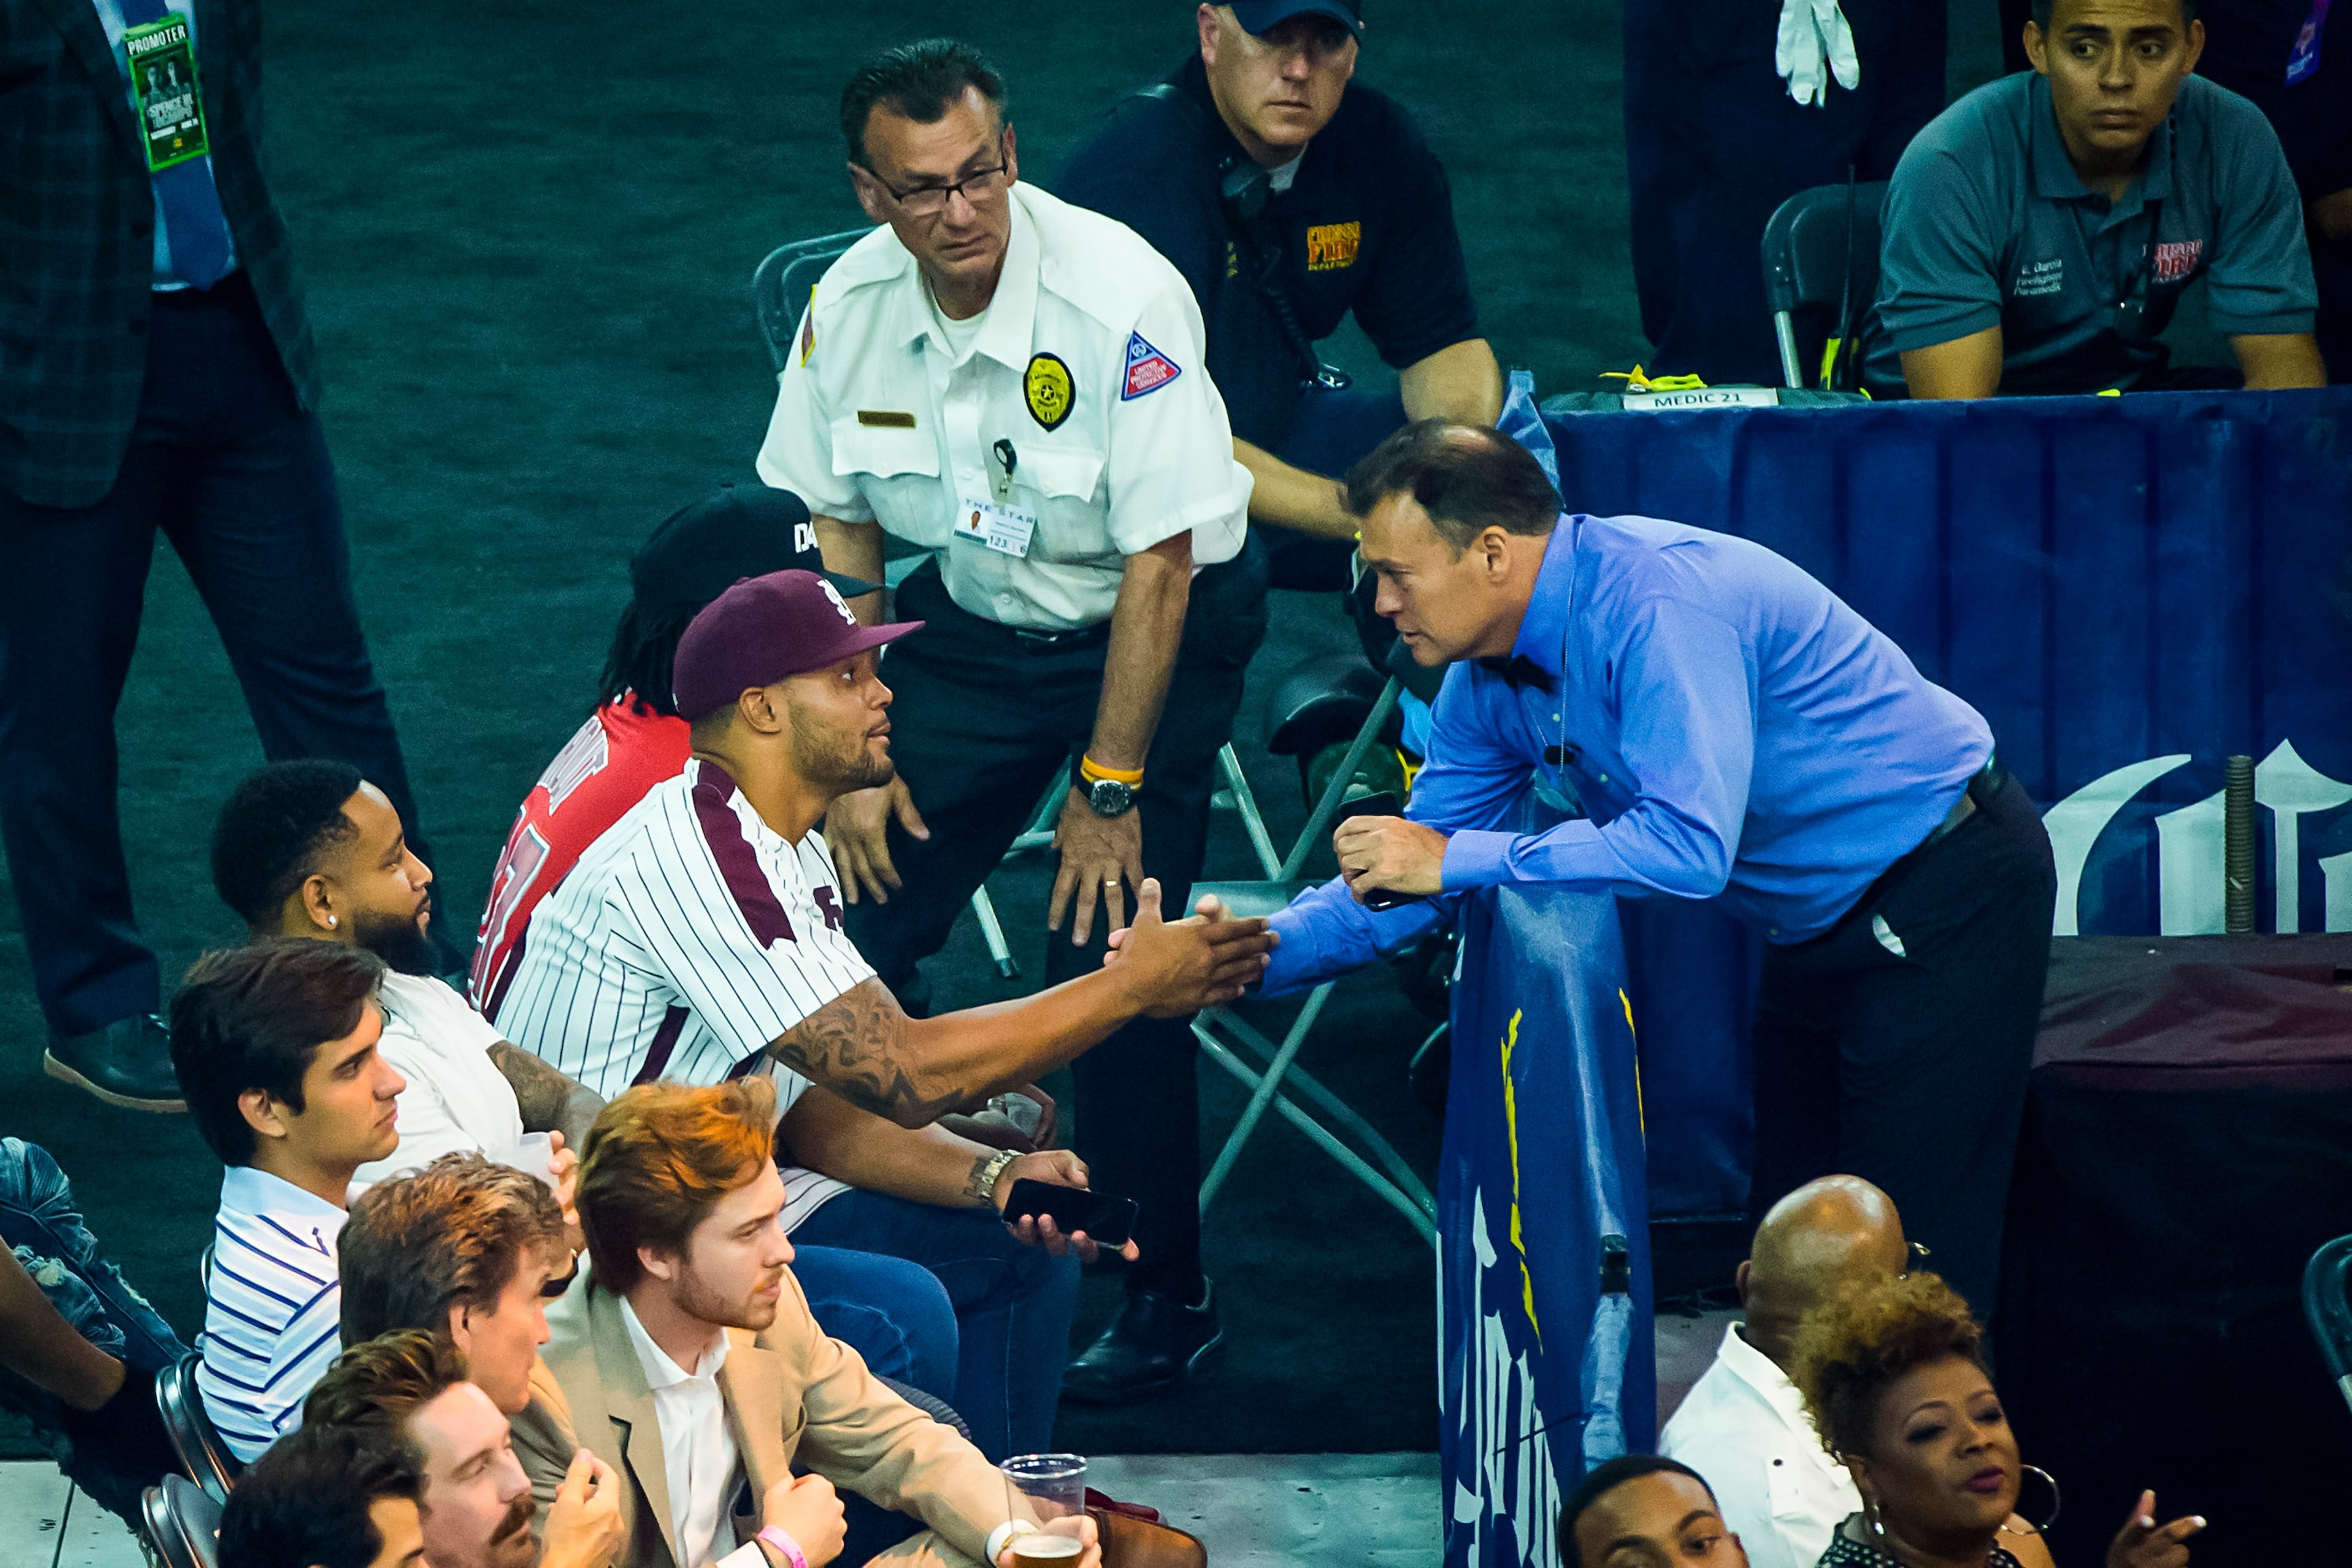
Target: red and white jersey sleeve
{"type": "Point", "coordinates": [686, 938]}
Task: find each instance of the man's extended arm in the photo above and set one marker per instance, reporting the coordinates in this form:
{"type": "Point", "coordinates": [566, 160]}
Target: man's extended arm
{"type": "Point", "coordinates": [2276, 360]}
{"type": "Point", "coordinates": [1105, 854]}
{"type": "Point", "coordinates": [550, 1101]}
{"type": "Point", "coordinates": [1461, 382]}
{"type": "Point", "coordinates": [854, 550]}
{"type": "Point", "coordinates": [864, 1046]}
{"type": "Point", "coordinates": [1964, 367]}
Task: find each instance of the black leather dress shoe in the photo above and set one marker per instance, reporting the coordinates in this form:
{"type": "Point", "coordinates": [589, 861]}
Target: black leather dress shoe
{"type": "Point", "coordinates": [1150, 1348]}
{"type": "Point", "coordinates": [128, 1063]}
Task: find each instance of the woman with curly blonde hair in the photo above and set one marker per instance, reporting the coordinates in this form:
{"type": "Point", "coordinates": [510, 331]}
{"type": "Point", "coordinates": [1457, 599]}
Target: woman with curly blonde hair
{"type": "Point", "coordinates": [1892, 1374]}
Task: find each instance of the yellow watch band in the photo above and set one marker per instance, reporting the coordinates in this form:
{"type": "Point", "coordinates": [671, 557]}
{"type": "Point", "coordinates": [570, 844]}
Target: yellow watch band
{"type": "Point", "coordinates": [1091, 771]}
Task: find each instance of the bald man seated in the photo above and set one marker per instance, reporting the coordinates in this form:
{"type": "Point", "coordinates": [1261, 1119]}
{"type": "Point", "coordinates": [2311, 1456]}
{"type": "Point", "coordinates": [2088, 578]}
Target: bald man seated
{"type": "Point", "coordinates": [1744, 1426]}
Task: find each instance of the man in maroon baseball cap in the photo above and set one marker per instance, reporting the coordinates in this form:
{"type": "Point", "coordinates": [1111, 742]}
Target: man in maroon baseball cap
{"type": "Point", "coordinates": [702, 935]}
{"type": "Point", "coordinates": [764, 630]}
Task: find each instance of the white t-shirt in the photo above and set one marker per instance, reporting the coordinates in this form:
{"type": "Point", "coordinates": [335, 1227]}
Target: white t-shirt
{"type": "Point", "coordinates": [1744, 1427]}
{"type": "Point", "coordinates": [456, 1100]}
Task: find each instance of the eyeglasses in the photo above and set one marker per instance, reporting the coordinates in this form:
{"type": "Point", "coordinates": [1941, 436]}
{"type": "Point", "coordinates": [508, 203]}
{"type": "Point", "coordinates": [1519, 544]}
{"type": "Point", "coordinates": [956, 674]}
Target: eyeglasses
{"type": "Point", "coordinates": [930, 201]}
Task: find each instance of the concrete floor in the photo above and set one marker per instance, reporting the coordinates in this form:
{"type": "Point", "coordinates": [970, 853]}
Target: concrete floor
{"type": "Point", "coordinates": [1253, 1510]}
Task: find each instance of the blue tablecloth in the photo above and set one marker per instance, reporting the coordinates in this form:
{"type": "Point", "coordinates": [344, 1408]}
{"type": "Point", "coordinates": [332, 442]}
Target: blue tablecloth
{"type": "Point", "coordinates": [2131, 589]}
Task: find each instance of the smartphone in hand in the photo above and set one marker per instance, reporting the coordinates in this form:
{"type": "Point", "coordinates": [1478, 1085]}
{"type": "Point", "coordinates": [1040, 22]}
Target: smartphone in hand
{"type": "Point", "coordinates": [1105, 1218]}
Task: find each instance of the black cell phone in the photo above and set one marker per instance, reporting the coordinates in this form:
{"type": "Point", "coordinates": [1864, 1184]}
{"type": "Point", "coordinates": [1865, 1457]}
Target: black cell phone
{"type": "Point", "coordinates": [1383, 804]}
{"type": "Point", "coordinates": [1106, 1219]}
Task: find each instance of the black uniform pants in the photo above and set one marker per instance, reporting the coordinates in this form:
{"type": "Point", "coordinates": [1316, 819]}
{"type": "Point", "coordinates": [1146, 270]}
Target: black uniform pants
{"type": "Point", "coordinates": [227, 466]}
{"type": "Point", "coordinates": [981, 719]}
{"type": "Point", "coordinates": [1714, 144]}
{"type": "Point", "coordinates": [1909, 1070]}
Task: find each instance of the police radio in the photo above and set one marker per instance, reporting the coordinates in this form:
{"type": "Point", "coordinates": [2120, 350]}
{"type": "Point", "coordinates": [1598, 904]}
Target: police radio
{"type": "Point", "coordinates": [1244, 191]}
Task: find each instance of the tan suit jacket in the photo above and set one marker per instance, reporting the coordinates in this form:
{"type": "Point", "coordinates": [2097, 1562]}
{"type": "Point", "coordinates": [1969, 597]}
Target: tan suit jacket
{"type": "Point", "coordinates": [794, 1398]}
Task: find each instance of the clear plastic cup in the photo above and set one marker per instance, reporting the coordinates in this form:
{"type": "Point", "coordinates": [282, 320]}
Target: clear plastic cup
{"type": "Point", "coordinates": [536, 1155]}
{"type": "Point", "coordinates": [1054, 1484]}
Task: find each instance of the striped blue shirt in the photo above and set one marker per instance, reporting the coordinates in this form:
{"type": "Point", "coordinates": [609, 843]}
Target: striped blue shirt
{"type": "Point", "coordinates": [272, 1309]}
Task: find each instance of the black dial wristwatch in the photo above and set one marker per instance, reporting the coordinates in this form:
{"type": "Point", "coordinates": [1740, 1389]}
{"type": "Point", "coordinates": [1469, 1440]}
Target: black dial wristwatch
{"type": "Point", "coordinates": [1108, 797]}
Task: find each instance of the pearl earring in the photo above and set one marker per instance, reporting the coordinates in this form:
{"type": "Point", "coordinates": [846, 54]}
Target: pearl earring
{"type": "Point", "coordinates": [330, 920]}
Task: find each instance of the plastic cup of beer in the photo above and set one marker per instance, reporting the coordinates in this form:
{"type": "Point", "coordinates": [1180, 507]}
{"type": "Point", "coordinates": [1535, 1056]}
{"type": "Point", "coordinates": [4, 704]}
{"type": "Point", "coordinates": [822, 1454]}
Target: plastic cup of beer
{"type": "Point", "coordinates": [1054, 1484]}
{"type": "Point", "coordinates": [1038, 1550]}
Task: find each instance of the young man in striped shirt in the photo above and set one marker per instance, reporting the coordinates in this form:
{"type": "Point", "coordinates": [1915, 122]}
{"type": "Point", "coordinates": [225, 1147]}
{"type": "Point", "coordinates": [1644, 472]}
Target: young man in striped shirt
{"type": "Point", "coordinates": [275, 1045]}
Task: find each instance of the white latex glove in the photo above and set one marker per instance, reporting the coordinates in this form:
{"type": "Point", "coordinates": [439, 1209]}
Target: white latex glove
{"type": "Point", "coordinates": [1797, 52]}
{"type": "Point", "coordinates": [1815, 44]}
{"type": "Point", "coordinates": [1837, 44]}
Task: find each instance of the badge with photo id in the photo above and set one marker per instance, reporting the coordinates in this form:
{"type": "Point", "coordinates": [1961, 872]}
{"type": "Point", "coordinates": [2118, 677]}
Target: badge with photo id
{"type": "Point", "coordinates": [164, 86]}
{"type": "Point", "coordinates": [1004, 529]}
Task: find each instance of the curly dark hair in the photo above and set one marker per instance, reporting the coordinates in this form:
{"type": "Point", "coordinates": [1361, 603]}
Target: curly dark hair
{"type": "Point", "coordinates": [275, 828]}
{"type": "Point", "coordinates": [1851, 1349]}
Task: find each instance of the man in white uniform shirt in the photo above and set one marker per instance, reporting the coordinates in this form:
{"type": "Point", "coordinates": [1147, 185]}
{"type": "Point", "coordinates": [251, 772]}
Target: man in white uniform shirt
{"type": "Point", "coordinates": [1743, 1425]}
{"type": "Point", "coordinates": [1019, 385]}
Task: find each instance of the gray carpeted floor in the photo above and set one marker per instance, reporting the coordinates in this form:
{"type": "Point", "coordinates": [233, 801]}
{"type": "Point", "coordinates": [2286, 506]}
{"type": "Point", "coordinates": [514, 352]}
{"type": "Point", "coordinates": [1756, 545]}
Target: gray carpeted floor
{"type": "Point", "coordinates": [526, 231]}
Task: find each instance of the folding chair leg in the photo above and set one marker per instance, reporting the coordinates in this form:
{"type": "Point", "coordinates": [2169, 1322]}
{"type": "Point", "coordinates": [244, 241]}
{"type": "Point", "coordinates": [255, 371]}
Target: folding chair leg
{"type": "Point", "coordinates": [1419, 1213]}
{"type": "Point", "coordinates": [994, 934]}
{"type": "Point", "coordinates": [1266, 1085]}
{"type": "Point", "coordinates": [1040, 831]}
{"type": "Point", "coordinates": [1246, 802]}
{"type": "Point", "coordinates": [1311, 1090]}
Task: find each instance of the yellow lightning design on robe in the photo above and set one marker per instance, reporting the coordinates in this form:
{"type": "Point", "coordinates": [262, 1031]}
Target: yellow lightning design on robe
{"type": "Point", "coordinates": [1511, 1122]}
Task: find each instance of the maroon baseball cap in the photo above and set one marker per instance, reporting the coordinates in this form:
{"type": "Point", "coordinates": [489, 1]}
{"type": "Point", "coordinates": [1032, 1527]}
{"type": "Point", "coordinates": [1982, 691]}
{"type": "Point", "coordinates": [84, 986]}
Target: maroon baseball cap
{"type": "Point", "coordinates": [763, 629]}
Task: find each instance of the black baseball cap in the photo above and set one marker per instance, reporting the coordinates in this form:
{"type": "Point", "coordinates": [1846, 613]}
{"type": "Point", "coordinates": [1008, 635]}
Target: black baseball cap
{"type": "Point", "coordinates": [1259, 16]}
{"type": "Point", "coordinates": [703, 548]}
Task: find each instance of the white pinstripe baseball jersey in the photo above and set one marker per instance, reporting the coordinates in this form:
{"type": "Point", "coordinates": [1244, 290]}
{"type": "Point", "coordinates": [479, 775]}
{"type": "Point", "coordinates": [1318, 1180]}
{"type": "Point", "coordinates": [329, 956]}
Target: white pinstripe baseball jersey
{"type": "Point", "coordinates": [689, 936]}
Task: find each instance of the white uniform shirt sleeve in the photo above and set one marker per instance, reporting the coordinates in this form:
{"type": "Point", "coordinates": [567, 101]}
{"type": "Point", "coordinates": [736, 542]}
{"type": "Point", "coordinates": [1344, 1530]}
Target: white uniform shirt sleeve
{"type": "Point", "coordinates": [797, 456]}
{"type": "Point", "coordinates": [1171, 467]}
{"type": "Point", "coordinates": [748, 968]}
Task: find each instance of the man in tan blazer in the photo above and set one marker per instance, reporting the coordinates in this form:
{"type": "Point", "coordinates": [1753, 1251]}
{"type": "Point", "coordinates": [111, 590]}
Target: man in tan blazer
{"type": "Point", "coordinates": [685, 1357]}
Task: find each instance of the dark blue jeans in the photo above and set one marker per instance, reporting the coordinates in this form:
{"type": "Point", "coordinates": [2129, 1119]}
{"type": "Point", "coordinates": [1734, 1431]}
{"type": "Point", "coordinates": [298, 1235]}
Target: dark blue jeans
{"type": "Point", "coordinates": [39, 1222]}
{"type": "Point", "coordinates": [226, 465]}
{"type": "Point", "coordinates": [895, 1314]}
{"type": "Point", "coordinates": [1012, 1306]}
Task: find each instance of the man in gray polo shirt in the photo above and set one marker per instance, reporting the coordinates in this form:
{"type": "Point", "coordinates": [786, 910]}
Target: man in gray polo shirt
{"type": "Point", "coordinates": [2038, 231]}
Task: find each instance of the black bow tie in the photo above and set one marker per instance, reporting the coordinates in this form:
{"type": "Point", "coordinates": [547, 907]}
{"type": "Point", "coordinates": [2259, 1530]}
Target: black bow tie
{"type": "Point", "coordinates": [1519, 670]}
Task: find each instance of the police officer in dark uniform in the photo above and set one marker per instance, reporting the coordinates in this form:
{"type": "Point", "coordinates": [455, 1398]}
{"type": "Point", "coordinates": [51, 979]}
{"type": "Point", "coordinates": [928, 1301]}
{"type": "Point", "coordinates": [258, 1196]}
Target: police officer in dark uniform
{"type": "Point", "coordinates": [1287, 197]}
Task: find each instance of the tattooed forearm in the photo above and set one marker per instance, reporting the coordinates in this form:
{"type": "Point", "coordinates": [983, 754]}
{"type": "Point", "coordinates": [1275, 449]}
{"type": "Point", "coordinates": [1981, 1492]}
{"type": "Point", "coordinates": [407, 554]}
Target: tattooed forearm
{"type": "Point", "coordinates": [856, 1047]}
{"type": "Point", "coordinates": [550, 1101]}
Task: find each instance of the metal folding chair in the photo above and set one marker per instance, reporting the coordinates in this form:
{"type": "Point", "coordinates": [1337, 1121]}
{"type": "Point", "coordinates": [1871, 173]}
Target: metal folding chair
{"type": "Point", "coordinates": [198, 1445]}
{"type": "Point", "coordinates": [2328, 1307]}
{"type": "Point", "coordinates": [781, 286]}
{"type": "Point", "coordinates": [1273, 1073]}
{"type": "Point", "coordinates": [1820, 277]}
{"type": "Point", "coordinates": [182, 1524]}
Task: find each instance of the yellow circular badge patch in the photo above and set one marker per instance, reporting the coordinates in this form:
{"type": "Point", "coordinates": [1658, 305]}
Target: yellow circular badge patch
{"type": "Point", "coordinates": [1047, 382]}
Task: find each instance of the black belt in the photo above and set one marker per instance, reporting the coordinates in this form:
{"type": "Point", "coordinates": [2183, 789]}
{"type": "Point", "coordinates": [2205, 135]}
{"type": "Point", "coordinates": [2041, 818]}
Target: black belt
{"type": "Point", "coordinates": [1983, 785]}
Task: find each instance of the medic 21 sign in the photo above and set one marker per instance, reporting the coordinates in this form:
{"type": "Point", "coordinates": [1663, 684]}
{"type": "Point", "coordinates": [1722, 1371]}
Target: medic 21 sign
{"type": "Point", "coordinates": [2102, 827]}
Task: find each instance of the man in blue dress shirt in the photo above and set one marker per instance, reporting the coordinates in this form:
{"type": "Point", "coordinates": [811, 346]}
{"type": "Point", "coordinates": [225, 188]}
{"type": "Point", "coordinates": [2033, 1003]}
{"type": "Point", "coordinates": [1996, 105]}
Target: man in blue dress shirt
{"type": "Point", "coordinates": [1730, 731]}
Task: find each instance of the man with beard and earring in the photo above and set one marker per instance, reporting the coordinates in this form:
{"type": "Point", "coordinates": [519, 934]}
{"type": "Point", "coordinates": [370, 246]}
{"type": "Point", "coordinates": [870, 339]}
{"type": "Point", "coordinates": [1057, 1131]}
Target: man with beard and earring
{"type": "Point", "coordinates": [311, 850]}
{"type": "Point", "coordinates": [701, 939]}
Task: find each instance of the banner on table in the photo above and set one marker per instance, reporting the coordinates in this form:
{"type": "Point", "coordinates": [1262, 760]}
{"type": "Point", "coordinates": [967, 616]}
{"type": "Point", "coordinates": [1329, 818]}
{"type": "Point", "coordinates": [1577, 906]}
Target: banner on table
{"type": "Point", "coordinates": [1545, 1342]}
